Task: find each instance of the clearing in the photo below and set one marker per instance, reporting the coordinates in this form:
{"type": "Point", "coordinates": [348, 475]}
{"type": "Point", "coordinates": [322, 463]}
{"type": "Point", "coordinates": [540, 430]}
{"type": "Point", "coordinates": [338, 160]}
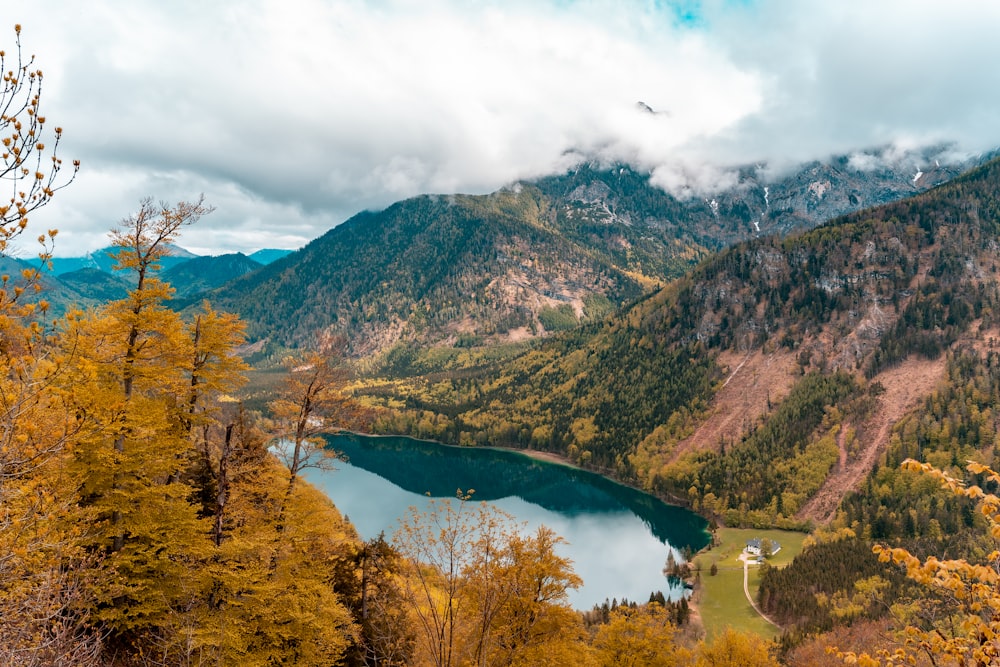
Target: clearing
{"type": "Point", "coordinates": [905, 386]}
{"type": "Point", "coordinates": [754, 379]}
{"type": "Point", "coordinates": [720, 599]}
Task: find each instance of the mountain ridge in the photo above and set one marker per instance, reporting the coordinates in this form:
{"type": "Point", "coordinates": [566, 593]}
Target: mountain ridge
{"type": "Point", "coordinates": [603, 236]}
{"type": "Point", "coordinates": [846, 302]}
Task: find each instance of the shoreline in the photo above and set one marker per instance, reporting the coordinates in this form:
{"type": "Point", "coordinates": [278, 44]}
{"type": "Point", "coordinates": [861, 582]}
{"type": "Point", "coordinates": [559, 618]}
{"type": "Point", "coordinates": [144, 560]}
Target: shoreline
{"type": "Point", "coordinates": [546, 457]}
{"type": "Point", "coordinates": [552, 458]}
{"type": "Point", "coordinates": [537, 455]}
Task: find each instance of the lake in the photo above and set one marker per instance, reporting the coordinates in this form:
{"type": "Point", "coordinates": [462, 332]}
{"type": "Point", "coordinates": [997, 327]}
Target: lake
{"type": "Point", "coordinates": [619, 538]}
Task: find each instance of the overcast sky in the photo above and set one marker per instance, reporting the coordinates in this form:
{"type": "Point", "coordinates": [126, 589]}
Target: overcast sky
{"type": "Point", "coordinates": [292, 115]}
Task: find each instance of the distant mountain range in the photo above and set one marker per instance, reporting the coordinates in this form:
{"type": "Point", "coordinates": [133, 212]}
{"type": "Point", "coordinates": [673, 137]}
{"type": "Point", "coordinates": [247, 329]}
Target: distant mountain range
{"type": "Point", "coordinates": [532, 258]}
{"type": "Point", "coordinates": [545, 254]}
{"type": "Point", "coordinates": [91, 279]}
{"type": "Point", "coordinates": [104, 259]}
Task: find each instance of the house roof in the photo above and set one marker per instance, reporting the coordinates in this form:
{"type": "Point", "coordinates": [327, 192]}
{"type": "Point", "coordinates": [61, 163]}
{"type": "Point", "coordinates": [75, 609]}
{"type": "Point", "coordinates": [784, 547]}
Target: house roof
{"type": "Point", "coordinates": [755, 544]}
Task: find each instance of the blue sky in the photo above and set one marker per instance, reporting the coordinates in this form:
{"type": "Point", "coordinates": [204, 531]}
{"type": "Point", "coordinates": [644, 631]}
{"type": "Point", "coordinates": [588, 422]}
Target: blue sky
{"type": "Point", "coordinates": [292, 115]}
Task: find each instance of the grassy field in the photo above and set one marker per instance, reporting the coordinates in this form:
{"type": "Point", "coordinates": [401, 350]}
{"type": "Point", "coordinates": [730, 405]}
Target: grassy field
{"type": "Point", "coordinates": [720, 600]}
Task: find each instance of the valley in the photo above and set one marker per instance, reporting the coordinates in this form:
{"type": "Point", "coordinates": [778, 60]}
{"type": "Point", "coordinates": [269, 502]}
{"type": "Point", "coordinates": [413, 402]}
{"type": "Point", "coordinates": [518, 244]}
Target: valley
{"type": "Point", "coordinates": [545, 334]}
{"type": "Point", "coordinates": [757, 383]}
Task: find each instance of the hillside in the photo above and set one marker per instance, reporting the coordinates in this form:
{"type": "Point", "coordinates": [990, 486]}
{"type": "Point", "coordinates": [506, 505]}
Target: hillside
{"type": "Point", "coordinates": [440, 267]}
{"type": "Point", "coordinates": [840, 308]}
{"type": "Point", "coordinates": [202, 274]}
{"type": "Point", "coordinates": [539, 256]}
{"type": "Point", "coordinates": [82, 288]}
{"type": "Point", "coordinates": [96, 285]}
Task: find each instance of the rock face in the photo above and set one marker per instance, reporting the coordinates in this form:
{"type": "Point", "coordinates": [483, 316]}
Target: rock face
{"type": "Point", "coordinates": [820, 191]}
{"type": "Point", "coordinates": [759, 202]}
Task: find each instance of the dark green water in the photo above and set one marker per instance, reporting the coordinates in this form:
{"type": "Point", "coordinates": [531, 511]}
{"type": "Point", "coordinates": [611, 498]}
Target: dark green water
{"type": "Point", "coordinates": [618, 538]}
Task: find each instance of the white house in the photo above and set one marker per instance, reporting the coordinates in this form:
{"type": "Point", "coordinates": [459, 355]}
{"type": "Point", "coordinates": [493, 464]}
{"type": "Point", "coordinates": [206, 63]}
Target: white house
{"type": "Point", "coordinates": [753, 547]}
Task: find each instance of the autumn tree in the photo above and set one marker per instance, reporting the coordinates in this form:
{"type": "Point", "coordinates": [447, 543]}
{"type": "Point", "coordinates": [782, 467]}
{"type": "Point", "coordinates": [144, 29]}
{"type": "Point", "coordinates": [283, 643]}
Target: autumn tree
{"type": "Point", "coordinates": [481, 593]}
{"type": "Point", "coordinates": [959, 621]}
{"type": "Point", "coordinates": [387, 636]}
{"type": "Point", "coordinates": [736, 649]}
{"type": "Point", "coordinates": [31, 172]}
{"type": "Point", "coordinates": [313, 402]}
{"type": "Point", "coordinates": [641, 637]}
{"type": "Point", "coordinates": [40, 621]}
{"type": "Point", "coordinates": [196, 560]}
{"type": "Point", "coordinates": [133, 364]}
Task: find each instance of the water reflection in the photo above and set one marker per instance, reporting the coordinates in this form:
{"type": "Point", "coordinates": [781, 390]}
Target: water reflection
{"type": "Point", "coordinates": [619, 538]}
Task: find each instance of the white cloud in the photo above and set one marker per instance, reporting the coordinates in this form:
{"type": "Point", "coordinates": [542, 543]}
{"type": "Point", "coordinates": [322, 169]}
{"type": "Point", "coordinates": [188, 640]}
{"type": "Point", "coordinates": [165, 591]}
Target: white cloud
{"type": "Point", "coordinates": [292, 115]}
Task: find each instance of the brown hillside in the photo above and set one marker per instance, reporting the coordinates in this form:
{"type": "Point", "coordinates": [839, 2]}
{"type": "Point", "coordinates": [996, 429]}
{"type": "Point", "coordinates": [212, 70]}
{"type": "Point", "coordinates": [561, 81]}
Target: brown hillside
{"type": "Point", "coordinates": [905, 386]}
{"type": "Point", "coordinates": [753, 380]}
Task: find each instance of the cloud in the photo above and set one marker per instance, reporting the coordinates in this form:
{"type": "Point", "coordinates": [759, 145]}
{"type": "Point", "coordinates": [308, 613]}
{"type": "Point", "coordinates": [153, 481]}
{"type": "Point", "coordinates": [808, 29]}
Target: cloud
{"type": "Point", "coordinates": [847, 75]}
{"type": "Point", "coordinates": [293, 115]}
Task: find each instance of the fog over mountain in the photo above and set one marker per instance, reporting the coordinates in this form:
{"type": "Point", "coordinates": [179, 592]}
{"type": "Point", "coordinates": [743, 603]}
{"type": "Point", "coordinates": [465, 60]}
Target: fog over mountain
{"type": "Point", "coordinates": [291, 117]}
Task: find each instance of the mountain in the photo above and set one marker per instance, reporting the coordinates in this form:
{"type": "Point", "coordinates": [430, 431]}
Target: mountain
{"type": "Point", "coordinates": [543, 255]}
{"type": "Point", "coordinates": [267, 255]}
{"type": "Point", "coordinates": [92, 280]}
{"type": "Point", "coordinates": [201, 274]}
{"type": "Point", "coordinates": [756, 201]}
{"type": "Point", "coordinates": [94, 284]}
{"type": "Point", "coordinates": [763, 386]}
{"type": "Point", "coordinates": [433, 267]}
{"type": "Point", "coordinates": [82, 288]}
{"type": "Point", "coordinates": [104, 260]}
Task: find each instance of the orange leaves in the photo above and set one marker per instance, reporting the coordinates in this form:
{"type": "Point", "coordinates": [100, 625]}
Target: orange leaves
{"type": "Point", "coordinates": [968, 631]}
{"type": "Point", "coordinates": [21, 129]}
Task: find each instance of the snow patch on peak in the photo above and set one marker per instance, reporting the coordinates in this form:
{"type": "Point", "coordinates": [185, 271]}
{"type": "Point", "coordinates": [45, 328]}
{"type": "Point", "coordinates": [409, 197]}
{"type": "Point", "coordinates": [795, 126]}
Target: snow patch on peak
{"type": "Point", "coordinates": [917, 177]}
{"type": "Point", "coordinates": [714, 205]}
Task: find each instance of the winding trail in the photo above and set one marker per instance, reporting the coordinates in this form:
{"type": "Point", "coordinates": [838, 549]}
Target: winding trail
{"type": "Point", "coordinates": [746, 591]}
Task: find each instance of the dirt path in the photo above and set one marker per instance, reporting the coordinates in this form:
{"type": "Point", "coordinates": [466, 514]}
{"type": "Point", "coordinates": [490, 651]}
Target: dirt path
{"type": "Point", "coordinates": [905, 386]}
{"type": "Point", "coordinates": [842, 445]}
{"type": "Point", "coordinates": [746, 590]}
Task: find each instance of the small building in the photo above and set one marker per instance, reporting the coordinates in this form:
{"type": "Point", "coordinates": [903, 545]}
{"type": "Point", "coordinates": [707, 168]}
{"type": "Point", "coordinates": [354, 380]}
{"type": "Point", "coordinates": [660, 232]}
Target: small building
{"type": "Point", "coordinates": [754, 545]}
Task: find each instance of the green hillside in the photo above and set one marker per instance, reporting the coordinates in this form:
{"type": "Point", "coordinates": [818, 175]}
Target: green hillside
{"type": "Point", "coordinates": [432, 268]}
{"type": "Point", "coordinates": [849, 299]}
{"type": "Point", "coordinates": [201, 274]}
{"type": "Point", "coordinates": [530, 259]}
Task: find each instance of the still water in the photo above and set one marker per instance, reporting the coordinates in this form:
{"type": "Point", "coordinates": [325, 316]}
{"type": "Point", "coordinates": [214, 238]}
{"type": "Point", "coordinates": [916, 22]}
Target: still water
{"type": "Point", "coordinates": [618, 538]}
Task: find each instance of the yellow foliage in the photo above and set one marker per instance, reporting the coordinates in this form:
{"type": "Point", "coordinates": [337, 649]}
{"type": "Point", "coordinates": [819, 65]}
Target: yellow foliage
{"type": "Point", "coordinates": [736, 649]}
{"type": "Point", "coordinates": [642, 637]}
{"type": "Point", "coordinates": [963, 627]}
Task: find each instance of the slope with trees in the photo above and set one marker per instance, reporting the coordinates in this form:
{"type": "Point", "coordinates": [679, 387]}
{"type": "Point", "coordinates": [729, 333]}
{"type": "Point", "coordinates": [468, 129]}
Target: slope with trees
{"type": "Point", "coordinates": [542, 255]}
{"type": "Point", "coordinates": [856, 296]}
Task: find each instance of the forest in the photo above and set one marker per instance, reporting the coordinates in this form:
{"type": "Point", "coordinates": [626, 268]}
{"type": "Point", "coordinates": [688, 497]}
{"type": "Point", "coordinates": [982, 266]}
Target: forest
{"type": "Point", "coordinates": [151, 519]}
